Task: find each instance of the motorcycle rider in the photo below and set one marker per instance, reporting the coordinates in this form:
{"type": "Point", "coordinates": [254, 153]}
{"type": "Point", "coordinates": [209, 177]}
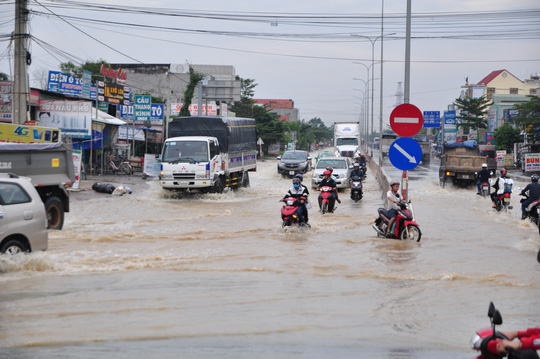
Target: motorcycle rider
{"type": "Point", "coordinates": [498, 186]}
{"type": "Point", "coordinates": [335, 180]}
{"type": "Point", "coordinates": [392, 204]}
{"type": "Point", "coordinates": [301, 178]}
{"type": "Point", "coordinates": [534, 194]}
{"type": "Point", "coordinates": [357, 171]}
{"type": "Point", "coordinates": [299, 192]}
{"type": "Point", "coordinates": [328, 181]}
{"type": "Point", "coordinates": [483, 176]}
{"type": "Point", "coordinates": [528, 344]}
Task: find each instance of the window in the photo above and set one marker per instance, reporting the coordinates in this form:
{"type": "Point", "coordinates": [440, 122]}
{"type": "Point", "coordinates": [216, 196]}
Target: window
{"type": "Point", "coordinates": [11, 193]}
{"type": "Point", "coordinates": [513, 91]}
{"type": "Point", "coordinates": [532, 92]}
{"type": "Point", "coordinates": [490, 92]}
{"type": "Point", "coordinates": [214, 149]}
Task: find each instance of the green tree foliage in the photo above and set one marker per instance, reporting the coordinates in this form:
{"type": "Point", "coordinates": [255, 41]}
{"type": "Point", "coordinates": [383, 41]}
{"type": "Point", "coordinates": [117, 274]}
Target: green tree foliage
{"type": "Point", "coordinates": [529, 117]}
{"type": "Point", "coordinates": [505, 137]}
{"type": "Point", "coordinates": [4, 77]}
{"type": "Point", "coordinates": [194, 79]}
{"type": "Point", "coordinates": [77, 71]}
{"type": "Point", "coordinates": [473, 113]}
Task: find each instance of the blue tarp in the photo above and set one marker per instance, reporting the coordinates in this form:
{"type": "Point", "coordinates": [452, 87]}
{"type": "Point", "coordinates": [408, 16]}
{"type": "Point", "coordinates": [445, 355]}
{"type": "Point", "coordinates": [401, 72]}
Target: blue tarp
{"type": "Point", "coordinates": [468, 144]}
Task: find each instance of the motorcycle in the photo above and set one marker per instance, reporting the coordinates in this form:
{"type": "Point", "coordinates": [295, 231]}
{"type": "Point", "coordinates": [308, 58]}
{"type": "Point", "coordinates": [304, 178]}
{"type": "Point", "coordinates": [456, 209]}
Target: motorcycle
{"type": "Point", "coordinates": [502, 201]}
{"type": "Point", "coordinates": [289, 214]}
{"type": "Point", "coordinates": [356, 189]}
{"type": "Point", "coordinates": [533, 211]}
{"type": "Point", "coordinates": [404, 227]}
{"type": "Point", "coordinates": [480, 340]}
{"type": "Point", "coordinates": [325, 201]}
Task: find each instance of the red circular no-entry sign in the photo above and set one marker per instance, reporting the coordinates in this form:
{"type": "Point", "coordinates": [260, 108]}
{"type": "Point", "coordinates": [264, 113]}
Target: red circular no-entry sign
{"type": "Point", "coordinates": [406, 120]}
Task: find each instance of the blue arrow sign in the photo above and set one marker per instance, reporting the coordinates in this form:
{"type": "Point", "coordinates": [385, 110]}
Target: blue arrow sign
{"type": "Point", "coordinates": [405, 153]}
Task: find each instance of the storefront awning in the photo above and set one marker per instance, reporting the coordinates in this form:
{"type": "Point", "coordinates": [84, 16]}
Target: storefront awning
{"type": "Point", "coordinates": [105, 118]}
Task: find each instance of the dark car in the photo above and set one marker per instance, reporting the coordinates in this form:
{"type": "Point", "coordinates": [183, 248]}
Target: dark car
{"type": "Point", "coordinates": [293, 162]}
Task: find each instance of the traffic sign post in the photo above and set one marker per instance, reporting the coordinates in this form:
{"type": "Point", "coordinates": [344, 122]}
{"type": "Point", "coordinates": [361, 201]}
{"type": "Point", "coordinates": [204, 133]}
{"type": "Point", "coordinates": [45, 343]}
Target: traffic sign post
{"type": "Point", "coordinates": [405, 153]}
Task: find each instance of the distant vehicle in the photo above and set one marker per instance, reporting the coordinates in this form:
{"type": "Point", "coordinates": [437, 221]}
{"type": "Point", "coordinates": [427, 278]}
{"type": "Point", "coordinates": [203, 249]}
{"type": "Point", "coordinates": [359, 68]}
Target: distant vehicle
{"type": "Point", "coordinates": [460, 161]}
{"type": "Point", "coordinates": [386, 141]}
{"type": "Point", "coordinates": [294, 162]}
{"type": "Point", "coordinates": [341, 167]}
{"type": "Point", "coordinates": [322, 155]}
{"type": "Point", "coordinates": [23, 220]}
{"type": "Point", "coordinates": [347, 139]}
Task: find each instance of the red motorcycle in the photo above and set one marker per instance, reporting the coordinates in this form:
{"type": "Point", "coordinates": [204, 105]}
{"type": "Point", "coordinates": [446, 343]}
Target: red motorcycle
{"type": "Point", "coordinates": [326, 191]}
{"type": "Point", "coordinates": [288, 212]}
{"type": "Point", "coordinates": [404, 228]}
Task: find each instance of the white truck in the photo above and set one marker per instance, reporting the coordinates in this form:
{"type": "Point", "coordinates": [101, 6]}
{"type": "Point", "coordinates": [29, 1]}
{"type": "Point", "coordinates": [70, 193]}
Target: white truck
{"type": "Point", "coordinates": [208, 154]}
{"type": "Point", "coordinates": [347, 139]}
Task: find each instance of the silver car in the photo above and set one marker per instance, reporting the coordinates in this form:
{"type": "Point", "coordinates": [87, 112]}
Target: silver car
{"type": "Point", "coordinates": [23, 220]}
{"type": "Point", "coordinates": [342, 171]}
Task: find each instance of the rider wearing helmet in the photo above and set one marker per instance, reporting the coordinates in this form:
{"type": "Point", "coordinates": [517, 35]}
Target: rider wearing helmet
{"type": "Point", "coordinates": [329, 182]}
{"type": "Point", "coordinates": [299, 192]}
{"type": "Point", "coordinates": [335, 180]}
{"type": "Point", "coordinates": [483, 176]}
{"type": "Point", "coordinates": [301, 178]}
{"type": "Point", "coordinates": [534, 194]}
{"type": "Point", "coordinates": [392, 204]}
{"type": "Point", "coordinates": [357, 171]}
{"type": "Point", "coordinates": [499, 186]}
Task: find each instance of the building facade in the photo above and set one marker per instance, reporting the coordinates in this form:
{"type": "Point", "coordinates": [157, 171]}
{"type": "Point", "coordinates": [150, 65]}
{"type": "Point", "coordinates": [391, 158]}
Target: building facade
{"type": "Point", "coordinates": [282, 108]}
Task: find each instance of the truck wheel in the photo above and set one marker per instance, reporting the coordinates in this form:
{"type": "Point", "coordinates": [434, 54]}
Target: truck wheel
{"type": "Point", "coordinates": [218, 186]}
{"type": "Point", "coordinates": [55, 213]}
{"type": "Point", "coordinates": [13, 246]}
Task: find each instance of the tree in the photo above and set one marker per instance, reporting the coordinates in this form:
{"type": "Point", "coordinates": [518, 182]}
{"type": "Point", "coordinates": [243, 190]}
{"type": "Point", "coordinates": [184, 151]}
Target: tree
{"type": "Point", "coordinates": [505, 136]}
{"type": "Point", "coordinates": [529, 117]}
{"type": "Point", "coordinates": [77, 71]}
{"type": "Point", "coordinates": [194, 79]}
{"type": "Point", "coordinates": [473, 113]}
{"type": "Point", "coordinates": [4, 77]}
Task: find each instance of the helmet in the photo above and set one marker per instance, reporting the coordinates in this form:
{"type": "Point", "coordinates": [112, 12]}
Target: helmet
{"type": "Point", "coordinates": [296, 181]}
{"type": "Point", "coordinates": [330, 169]}
{"type": "Point", "coordinates": [394, 183]}
{"type": "Point", "coordinates": [534, 178]}
{"type": "Point", "coordinates": [503, 172]}
{"type": "Point", "coordinates": [327, 173]}
{"type": "Point", "coordinates": [356, 164]}
{"type": "Point", "coordinates": [300, 177]}
{"type": "Point", "coordinates": [484, 165]}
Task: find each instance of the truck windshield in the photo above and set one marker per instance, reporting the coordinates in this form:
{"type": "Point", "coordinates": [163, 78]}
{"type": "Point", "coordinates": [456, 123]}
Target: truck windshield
{"type": "Point", "coordinates": [185, 151]}
{"type": "Point", "coordinates": [347, 141]}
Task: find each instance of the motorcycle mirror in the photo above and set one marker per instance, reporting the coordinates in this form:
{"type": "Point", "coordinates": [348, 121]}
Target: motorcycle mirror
{"type": "Point", "coordinates": [491, 309]}
{"type": "Point", "coordinates": [497, 318]}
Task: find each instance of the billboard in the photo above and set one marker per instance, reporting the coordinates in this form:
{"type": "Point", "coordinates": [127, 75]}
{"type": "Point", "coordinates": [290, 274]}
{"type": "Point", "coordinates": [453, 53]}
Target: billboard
{"type": "Point", "coordinates": [28, 134]}
{"type": "Point", "coordinates": [67, 85]}
{"type": "Point", "coordinates": [6, 96]}
{"type": "Point", "coordinates": [113, 93]}
{"type": "Point", "coordinates": [73, 118]}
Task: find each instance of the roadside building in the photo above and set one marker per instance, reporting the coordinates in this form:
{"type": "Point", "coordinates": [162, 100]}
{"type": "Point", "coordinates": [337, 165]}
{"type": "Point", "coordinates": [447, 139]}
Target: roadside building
{"type": "Point", "coordinates": [282, 108]}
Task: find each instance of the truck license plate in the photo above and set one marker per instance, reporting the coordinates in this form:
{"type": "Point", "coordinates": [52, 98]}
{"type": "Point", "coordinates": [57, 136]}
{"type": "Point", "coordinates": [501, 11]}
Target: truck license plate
{"type": "Point", "coordinates": [291, 173]}
{"type": "Point", "coordinates": [183, 182]}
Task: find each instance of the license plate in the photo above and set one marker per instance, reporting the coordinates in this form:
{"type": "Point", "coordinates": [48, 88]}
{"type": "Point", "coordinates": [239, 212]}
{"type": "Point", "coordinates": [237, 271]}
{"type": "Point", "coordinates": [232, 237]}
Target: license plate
{"type": "Point", "coordinates": [507, 199]}
{"type": "Point", "coordinates": [183, 182]}
{"type": "Point", "coordinates": [485, 188]}
{"type": "Point", "coordinates": [291, 173]}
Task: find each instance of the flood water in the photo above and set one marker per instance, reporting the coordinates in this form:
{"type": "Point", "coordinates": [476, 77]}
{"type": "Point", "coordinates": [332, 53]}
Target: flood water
{"type": "Point", "coordinates": [153, 275]}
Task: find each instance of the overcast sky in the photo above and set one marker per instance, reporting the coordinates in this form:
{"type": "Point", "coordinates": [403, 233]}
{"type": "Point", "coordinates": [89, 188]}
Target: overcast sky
{"type": "Point", "coordinates": [312, 61]}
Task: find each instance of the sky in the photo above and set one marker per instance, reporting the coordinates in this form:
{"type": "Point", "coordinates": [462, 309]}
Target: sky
{"type": "Point", "coordinates": [306, 51]}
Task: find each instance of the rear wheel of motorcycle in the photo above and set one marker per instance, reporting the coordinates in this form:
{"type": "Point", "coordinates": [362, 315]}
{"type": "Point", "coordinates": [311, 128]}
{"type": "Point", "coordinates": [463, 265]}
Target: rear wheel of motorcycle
{"type": "Point", "coordinates": [499, 206]}
{"type": "Point", "coordinates": [324, 208]}
{"type": "Point", "coordinates": [410, 233]}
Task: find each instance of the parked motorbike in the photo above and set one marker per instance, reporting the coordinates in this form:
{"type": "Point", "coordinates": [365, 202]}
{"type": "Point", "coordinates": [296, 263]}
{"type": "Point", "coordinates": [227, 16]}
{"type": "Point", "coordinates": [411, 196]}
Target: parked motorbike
{"type": "Point", "coordinates": [404, 227]}
{"type": "Point", "coordinates": [502, 201]}
{"type": "Point", "coordinates": [356, 189]}
{"type": "Point", "coordinates": [289, 214]}
{"type": "Point", "coordinates": [325, 201]}
{"type": "Point", "coordinates": [479, 341]}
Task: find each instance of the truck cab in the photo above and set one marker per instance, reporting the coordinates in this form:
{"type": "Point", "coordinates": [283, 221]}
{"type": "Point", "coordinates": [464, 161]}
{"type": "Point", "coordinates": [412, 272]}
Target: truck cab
{"type": "Point", "coordinates": [190, 162]}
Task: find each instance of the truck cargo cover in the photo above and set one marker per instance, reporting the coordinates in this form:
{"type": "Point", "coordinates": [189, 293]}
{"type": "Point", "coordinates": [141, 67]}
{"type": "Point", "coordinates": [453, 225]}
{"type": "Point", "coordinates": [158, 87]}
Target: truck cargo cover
{"type": "Point", "coordinates": [234, 134]}
{"type": "Point", "coordinates": [346, 129]}
{"type": "Point", "coordinates": [467, 144]}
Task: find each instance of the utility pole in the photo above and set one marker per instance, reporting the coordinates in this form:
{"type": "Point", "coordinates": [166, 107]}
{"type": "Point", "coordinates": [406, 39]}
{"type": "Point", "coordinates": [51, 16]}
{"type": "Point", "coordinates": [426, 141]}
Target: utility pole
{"type": "Point", "coordinates": [22, 59]}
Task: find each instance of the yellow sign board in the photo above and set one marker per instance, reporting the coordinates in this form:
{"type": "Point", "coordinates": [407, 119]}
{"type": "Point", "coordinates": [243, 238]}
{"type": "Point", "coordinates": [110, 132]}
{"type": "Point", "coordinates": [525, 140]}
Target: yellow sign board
{"type": "Point", "coordinates": [28, 134]}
